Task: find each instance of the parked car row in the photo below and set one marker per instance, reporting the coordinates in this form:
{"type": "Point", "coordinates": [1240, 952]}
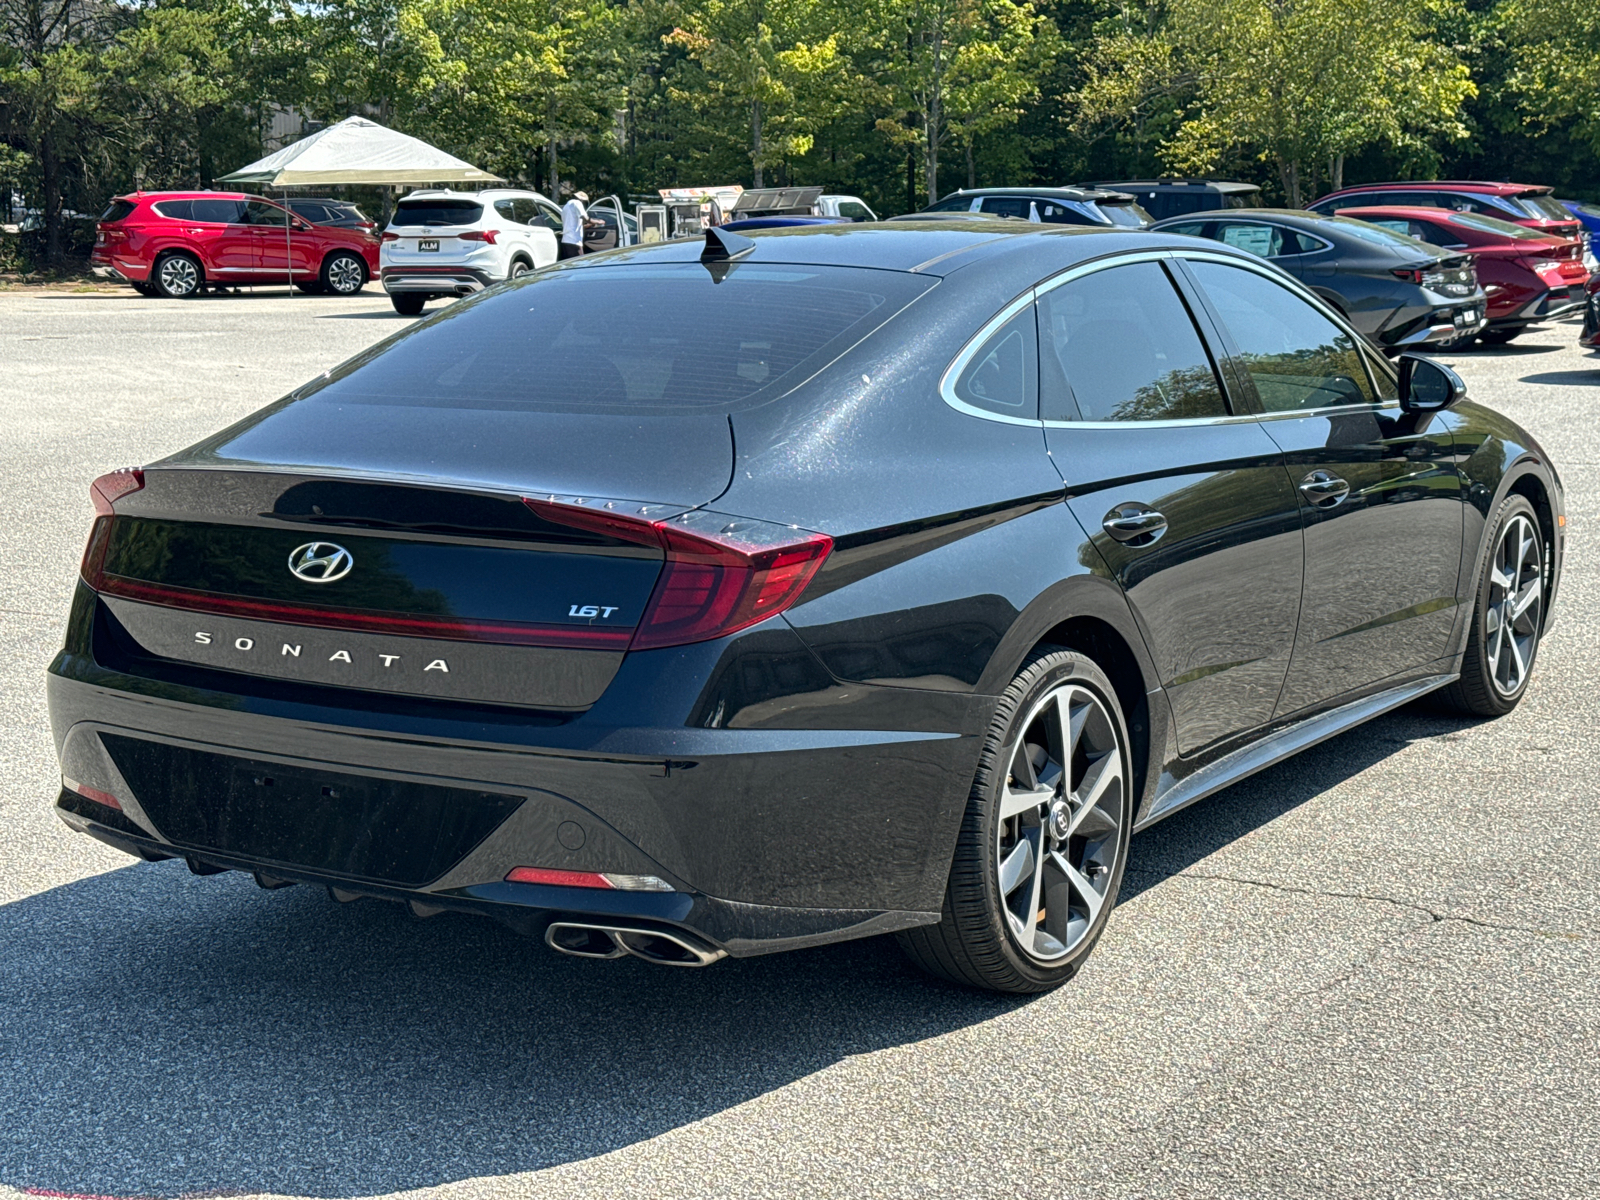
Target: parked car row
{"type": "Point", "coordinates": [1440, 263]}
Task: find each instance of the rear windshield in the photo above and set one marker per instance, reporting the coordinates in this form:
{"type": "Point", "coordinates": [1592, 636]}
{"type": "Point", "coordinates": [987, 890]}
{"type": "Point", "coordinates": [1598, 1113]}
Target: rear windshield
{"type": "Point", "coordinates": [1124, 212]}
{"type": "Point", "coordinates": [437, 212]}
{"type": "Point", "coordinates": [1376, 234]}
{"type": "Point", "coordinates": [1540, 205]}
{"type": "Point", "coordinates": [633, 339]}
{"type": "Point", "coordinates": [117, 211]}
{"type": "Point", "coordinates": [1495, 225]}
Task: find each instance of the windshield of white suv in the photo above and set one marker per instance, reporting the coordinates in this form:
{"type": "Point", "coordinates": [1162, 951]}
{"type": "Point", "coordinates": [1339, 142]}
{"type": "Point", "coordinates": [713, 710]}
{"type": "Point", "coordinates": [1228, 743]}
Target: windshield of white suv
{"type": "Point", "coordinates": [439, 211]}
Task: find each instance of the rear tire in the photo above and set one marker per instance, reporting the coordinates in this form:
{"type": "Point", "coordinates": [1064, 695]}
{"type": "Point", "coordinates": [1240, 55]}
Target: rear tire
{"type": "Point", "coordinates": [1507, 616]}
{"type": "Point", "coordinates": [1500, 337]}
{"type": "Point", "coordinates": [178, 276]}
{"type": "Point", "coordinates": [310, 289]}
{"type": "Point", "coordinates": [1044, 841]}
{"type": "Point", "coordinates": [408, 304]}
{"type": "Point", "coordinates": [519, 268]}
{"type": "Point", "coordinates": [343, 274]}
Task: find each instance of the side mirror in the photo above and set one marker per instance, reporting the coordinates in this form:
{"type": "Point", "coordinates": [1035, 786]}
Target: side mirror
{"type": "Point", "coordinates": [1427, 386]}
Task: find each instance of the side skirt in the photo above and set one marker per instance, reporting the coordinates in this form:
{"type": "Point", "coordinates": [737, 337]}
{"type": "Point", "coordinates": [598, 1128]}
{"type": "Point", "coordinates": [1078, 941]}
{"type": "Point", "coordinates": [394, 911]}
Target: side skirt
{"type": "Point", "coordinates": [1276, 747]}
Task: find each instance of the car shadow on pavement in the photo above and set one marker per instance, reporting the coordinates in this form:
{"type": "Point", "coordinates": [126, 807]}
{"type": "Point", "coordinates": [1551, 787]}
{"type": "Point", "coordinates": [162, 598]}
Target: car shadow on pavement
{"type": "Point", "coordinates": [1183, 839]}
{"type": "Point", "coordinates": [376, 315]}
{"type": "Point", "coordinates": [1590, 378]}
{"type": "Point", "coordinates": [164, 1034]}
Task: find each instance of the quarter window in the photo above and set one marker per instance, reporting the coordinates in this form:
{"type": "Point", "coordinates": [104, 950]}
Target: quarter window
{"type": "Point", "coordinates": [1297, 358]}
{"type": "Point", "coordinates": [1003, 375]}
{"type": "Point", "coordinates": [507, 210]}
{"type": "Point", "coordinates": [1120, 345]}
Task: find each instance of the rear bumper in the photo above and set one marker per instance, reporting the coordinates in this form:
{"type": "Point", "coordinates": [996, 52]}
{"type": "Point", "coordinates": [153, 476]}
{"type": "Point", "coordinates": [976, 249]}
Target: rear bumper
{"type": "Point", "coordinates": [103, 265]}
{"type": "Point", "coordinates": [771, 839]}
{"type": "Point", "coordinates": [1549, 305]}
{"type": "Point", "coordinates": [441, 280]}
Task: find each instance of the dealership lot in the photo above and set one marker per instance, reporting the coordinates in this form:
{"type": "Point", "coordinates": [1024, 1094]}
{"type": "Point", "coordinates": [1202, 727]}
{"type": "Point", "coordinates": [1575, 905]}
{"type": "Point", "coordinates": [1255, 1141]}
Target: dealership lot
{"type": "Point", "coordinates": [1366, 972]}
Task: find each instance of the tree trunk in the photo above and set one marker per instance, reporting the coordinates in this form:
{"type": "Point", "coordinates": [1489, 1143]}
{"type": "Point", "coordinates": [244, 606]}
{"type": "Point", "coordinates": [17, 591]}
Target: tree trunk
{"type": "Point", "coordinates": [972, 178]}
{"type": "Point", "coordinates": [1336, 175]}
{"type": "Point", "coordinates": [911, 180]}
{"type": "Point", "coordinates": [1289, 173]}
{"type": "Point", "coordinates": [50, 170]}
{"type": "Point", "coordinates": [755, 139]}
{"type": "Point", "coordinates": [934, 117]}
{"type": "Point", "coordinates": [555, 167]}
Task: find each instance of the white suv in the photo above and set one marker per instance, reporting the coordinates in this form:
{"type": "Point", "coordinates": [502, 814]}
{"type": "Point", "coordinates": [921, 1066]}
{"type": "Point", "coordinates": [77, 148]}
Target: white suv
{"type": "Point", "coordinates": [442, 243]}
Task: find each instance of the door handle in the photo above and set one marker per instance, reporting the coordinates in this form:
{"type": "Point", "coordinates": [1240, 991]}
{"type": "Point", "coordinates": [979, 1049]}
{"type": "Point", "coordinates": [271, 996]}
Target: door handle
{"type": "Point", "coordinates": [1134, 524]}
{"type": "Point", "coordinates": [1324, 489]}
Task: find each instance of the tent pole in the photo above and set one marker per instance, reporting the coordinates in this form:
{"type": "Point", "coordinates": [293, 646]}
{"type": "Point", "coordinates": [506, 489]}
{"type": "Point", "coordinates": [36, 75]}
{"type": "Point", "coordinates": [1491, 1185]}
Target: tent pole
{"type": "Point", "coordinates": [288, 245]}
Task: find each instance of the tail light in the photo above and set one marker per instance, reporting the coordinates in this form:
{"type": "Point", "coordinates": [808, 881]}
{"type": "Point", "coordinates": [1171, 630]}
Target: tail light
{"type": "Point", "coordinates": [1408, 274]}
{"type": "Point", "coordinates": [390, 237]}
{"type": "Point", "coordinates": [722, 574]}
{"type": "Point", "coordinates": [589, 879]}
{"type": "Point", "coordinates": [479, 235]}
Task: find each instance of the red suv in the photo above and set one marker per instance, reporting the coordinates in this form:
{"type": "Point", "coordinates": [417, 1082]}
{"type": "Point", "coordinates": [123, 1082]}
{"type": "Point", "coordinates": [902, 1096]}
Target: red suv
{"type": "Point", "coordinates": [1528, 275]}
{"type": "Point", "coordinates": [177, 244]}
{"type": "Point", "coordinates": [1520, 203]}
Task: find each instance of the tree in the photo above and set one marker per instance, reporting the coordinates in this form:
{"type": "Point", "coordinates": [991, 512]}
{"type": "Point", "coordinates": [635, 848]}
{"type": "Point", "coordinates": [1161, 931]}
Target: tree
{"type": "Point", "coordinates": [1302, 82]}
{"type": "Point", "coordinates": [1556, 51]}
{"type": "Point", "coordinates": [967, 67]}
{"type": "Point", "coordinates": [772, 62]}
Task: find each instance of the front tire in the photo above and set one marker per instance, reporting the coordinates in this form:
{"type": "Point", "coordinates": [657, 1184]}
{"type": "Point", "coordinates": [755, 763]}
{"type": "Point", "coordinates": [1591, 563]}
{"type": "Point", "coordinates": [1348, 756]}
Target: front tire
{"type": "Point", "coordinates": [1507, 618]}
{"type": "Point", "coordinates": [178, 276]}
{"type": "Point", "coordinates": [343, 274]}
{"type": "Point", "coordinates": [408, 304]}
{"type": "Point", "coordinates": [1044, 841]}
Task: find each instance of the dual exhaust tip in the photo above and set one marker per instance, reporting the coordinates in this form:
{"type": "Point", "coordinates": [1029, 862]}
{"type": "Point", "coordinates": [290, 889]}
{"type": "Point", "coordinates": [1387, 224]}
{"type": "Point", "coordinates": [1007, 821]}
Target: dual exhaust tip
{"type": "Point", "coordinates": [673, 948]}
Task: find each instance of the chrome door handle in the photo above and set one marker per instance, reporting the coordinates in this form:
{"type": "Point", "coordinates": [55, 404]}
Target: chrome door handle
{"type": "Point", "coordinates": [1324, 489]}
{"type": "Point", "coordinates": [1134, 524]}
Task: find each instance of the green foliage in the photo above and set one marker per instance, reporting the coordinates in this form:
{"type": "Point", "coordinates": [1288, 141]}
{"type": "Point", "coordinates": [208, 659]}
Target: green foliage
{"type": "Point", "coordinates": [888, 99]}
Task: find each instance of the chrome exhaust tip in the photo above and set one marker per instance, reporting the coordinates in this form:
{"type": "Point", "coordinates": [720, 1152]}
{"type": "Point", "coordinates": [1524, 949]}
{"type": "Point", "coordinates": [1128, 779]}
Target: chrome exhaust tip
{"type": "Point", "coordinates": [673, 948]}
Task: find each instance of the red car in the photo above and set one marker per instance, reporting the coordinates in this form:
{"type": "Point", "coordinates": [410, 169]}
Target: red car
{"type": "Point", "coordinates": [1520, 203]}
{"type": "Point", "coordinates": [177, 244]}
{"type": "Point", "coordinates": [1527, 275]}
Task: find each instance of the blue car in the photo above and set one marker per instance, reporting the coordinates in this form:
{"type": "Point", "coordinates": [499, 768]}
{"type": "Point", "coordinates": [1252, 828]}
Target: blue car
{"type": "Point", "coordinates": [1589, 216]}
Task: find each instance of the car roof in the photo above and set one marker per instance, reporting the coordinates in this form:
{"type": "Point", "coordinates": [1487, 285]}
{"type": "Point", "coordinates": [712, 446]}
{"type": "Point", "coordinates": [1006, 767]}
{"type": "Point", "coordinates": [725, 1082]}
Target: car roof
{"type": "Point", "coordinates": [451, 193]}
{"type": "Point", "coordinates": [1289, 216]}
{"type": "Point", "coordinates": [194, 195]}
{"type": "Point", "coordinates": [1421, 212]}
{"type": "Point", "coordinates": [1227, 187]}
{"type": "Point", "coordinates": [1050, 193]}
{"type": "Point", "coordinates": [1458, 185]}
{"type": "Point", "coordinates": [934, 247]}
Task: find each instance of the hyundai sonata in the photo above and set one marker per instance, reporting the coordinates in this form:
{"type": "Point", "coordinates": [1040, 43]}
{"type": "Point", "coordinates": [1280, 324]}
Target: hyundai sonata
{"type": "Point", "coordinates": [708, 599]}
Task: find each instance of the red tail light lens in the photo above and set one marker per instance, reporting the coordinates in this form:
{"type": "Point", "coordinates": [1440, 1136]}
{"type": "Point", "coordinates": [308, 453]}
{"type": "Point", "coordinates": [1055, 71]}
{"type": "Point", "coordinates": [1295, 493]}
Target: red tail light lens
{"type": "Point", "coordinates": [479, 235]}
{"type": "Point", "coordinates": [1408, 274]}
{"type": "Point", "coordinates": [108, 489]}
{"type": "Point", "coordinates": [722, 574]}
{"type": "Point", "coordinates": [390, 237]}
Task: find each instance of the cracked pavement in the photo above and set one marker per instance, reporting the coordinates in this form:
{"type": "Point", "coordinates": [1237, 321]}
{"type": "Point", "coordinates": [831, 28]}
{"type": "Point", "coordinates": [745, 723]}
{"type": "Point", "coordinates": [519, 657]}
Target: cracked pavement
{"type": "Point", "coordinates": [1366, 972]}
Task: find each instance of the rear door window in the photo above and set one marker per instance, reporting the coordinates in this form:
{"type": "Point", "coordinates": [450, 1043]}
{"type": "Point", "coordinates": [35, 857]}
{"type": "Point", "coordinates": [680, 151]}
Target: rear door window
{"type": "Point", "coordinates": [951, 204]}
{"type": "Point", "coordinates": [221, 212]}
{"type": "Point", "coordinates": [698, 340]}
{"type": "Point", "coordinates": [1005, 206]}
{"type": "Point", "coordinates": [1120, 345]}
{"type": "Point", "coordinates": [258, 212]}
{"type": "Point", "coordinates": [1297, 358]}
{"type": "Point", "coordinates": [443, 211]}
{"type": "Point", "coordinates": [1264, 241]}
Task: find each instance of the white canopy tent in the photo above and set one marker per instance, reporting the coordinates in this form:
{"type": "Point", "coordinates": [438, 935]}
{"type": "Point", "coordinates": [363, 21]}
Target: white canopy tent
{"type": "Point", "coordinates": [357, 150]}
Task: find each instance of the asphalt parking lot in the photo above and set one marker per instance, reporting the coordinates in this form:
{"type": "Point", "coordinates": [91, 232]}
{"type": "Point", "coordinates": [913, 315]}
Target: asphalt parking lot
{"type": "Point", "coordinates": [1368, 972]}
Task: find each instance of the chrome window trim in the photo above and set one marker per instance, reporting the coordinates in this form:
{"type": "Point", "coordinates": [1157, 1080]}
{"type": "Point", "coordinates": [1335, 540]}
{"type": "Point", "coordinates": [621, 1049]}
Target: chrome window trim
{"type": "Point", "coordinates": [1261, 267]}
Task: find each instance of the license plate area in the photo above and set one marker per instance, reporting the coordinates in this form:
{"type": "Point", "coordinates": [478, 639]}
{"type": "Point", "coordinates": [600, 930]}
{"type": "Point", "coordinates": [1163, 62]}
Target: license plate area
{"type": "Point", "coordinates": [428, 244]}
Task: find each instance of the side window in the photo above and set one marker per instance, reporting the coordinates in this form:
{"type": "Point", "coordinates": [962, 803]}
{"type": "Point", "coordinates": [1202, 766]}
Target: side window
{"type": "Point", "coordinates": [1052, 213]}
{"type": "Point", "coordinates": [1193, 229]}
{"type": "Point", "coordinates": [506, 210]}
{"type": "Point", "coordinates": [951, 204]}
{"type": "Point", "coordinates": [222, 212]}
{"type": "Point", "coordinates": [1119, 345]}
{"type": "Point", "coordinates": [1265, 241]}
{"type": "Point", "coordinates": [260, 213]}
{"type": "Point", "coordinates": [1439, 235]}
{"type": "Point", "coordinates": [1297, 358]}
{"type": "Point", "coordinates": [527, 212]}
{"type": "Point", "coordinates": [1301, 243]}
{"type": "Point", "coordinates": [1005, 206]}
{"type": "Point", "coordinates": [1003, 376]}
{"type": "Point", "coordinates": [855, 211]}
{"type": "Point", "coordinates": [547, 215]}
{"type": "Point", "coordinates": [175, 210]}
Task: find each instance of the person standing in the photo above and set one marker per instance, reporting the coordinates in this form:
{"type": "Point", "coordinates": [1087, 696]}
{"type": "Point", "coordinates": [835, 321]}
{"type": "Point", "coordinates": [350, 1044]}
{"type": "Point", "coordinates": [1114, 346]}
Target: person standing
{"type": "Point", "coordinates": [574, 217]}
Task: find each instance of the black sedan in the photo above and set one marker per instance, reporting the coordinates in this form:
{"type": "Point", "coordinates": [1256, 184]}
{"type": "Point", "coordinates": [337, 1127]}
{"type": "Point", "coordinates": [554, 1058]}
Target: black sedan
{"type": "Point", "coordinates": [1401, 292]}
{"type": "Point", "coordinates": [882, 578]}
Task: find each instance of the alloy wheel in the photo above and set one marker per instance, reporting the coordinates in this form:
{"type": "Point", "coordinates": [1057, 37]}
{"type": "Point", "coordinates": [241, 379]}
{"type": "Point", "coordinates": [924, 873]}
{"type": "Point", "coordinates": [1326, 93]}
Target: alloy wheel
{"type": "Point", "coordinates": [1515, 610]}
{"type": "Point", "coordinates": [1062, 809]}
{"type": "Point", "coordinates": [345, 275]}
{"type": "Point", "coordinates": [179, 275]}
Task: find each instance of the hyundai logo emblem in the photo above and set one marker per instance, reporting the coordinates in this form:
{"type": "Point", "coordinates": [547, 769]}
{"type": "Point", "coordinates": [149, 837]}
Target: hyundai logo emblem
{"type": "Point", "coordinates": [320, 562]}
